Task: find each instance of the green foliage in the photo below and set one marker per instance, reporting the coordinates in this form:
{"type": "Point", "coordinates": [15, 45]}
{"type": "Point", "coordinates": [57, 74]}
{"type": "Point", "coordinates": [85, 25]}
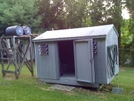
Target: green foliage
{"type": "Point", "coordinates": [129, 5]}
{"type": "Point", "coordinates": [96, 12]}
{"type": "Point", "coordinates": [128, 30]}
{"type": "Point", "coordinates": [126, 58]}
{"type": "Point", "coordinates": [51, 12]}
{"type": "Point", "coordinates": [77, 13]}
{"type": "Point", "coordinates": [59, 14]}
{"type": "Point", "coordinates": [106, 12]}
{"type": "Point", "coordinates": [19, 12]}
{"type": "Point", "coordinates": [126, 36]}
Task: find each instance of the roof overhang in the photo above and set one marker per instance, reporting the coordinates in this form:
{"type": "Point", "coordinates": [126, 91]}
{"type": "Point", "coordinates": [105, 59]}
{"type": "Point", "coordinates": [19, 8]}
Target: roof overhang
{"type": "Point", "coordinates": [75, 33]}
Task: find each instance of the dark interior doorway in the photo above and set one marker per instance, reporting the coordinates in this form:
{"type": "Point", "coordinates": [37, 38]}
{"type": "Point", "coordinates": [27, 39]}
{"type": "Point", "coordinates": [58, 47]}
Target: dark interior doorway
{"type": "Point", "coordinates": [66, 58]}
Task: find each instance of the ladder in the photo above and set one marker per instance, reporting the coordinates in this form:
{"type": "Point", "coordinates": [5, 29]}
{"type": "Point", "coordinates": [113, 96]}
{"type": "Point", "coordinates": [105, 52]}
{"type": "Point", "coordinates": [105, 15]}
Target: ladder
{"type": "Point", "coordinates": [12, 53]}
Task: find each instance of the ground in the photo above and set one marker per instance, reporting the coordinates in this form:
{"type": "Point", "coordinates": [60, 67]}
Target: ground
{"type": "Point", "coordinates": [28, 88]}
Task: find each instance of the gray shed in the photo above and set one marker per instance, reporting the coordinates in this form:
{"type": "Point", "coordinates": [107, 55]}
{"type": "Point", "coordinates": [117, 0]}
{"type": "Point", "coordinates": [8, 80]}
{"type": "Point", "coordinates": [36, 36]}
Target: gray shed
{"type": "Point", "coordinates": [81, 56]}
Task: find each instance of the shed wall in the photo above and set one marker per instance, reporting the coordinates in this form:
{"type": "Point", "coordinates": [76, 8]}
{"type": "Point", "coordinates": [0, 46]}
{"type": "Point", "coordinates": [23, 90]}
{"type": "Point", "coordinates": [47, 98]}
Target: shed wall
{"type": "Point", "coordinates": [100, 62]}
{"type": "Point", "coordinates": [47, 65]}
{"type": "Point", "coordinates": [112, 39]}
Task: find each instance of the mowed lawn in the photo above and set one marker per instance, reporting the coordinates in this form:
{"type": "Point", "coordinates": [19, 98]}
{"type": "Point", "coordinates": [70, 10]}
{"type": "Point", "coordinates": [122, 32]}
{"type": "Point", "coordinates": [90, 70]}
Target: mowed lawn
{"type": "Point", "coordinates": [28, 88]}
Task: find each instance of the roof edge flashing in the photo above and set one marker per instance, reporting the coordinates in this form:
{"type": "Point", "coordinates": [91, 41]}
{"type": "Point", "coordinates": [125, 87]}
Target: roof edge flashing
{"type": "Point", "coordinates": [73, 38]}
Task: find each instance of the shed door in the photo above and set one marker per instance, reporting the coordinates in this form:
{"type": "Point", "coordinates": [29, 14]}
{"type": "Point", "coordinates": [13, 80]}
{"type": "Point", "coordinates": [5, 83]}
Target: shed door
{"type": "Point", "coordinates": [48, 62]}
{"type": "Point", "coordinates": [84, 62]}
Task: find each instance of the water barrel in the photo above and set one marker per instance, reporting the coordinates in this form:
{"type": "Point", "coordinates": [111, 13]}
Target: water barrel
{"type": "Point", "coordinates": [14, 30]}
{"type": "Point", "coordinates": [26, 30]}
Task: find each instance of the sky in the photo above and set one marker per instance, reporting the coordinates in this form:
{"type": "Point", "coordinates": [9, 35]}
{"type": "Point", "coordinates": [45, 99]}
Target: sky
{"type": "Point", "coordinates": [125, 14]}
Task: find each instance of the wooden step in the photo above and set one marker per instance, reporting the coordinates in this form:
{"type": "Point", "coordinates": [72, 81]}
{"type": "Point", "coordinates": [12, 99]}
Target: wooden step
{"type": "Point", "coordinates": [6, 58]}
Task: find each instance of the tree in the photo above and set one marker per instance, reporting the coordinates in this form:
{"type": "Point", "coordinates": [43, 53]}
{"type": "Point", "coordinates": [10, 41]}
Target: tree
{"type": "Point", "coordinates": [59, 14]}
{"type": "Point", "coordinates": [106, 12]}
{"type": "Point", "coordinates": [77, 13]}
{"type": "Point", "coordinates": [126, 36]}
{"type": "Point", "coordinates": [18, 12]}
{"type": "Point", "coordinates": [52, 13]}
{"type": "Point", "coordinates": [130, 24]}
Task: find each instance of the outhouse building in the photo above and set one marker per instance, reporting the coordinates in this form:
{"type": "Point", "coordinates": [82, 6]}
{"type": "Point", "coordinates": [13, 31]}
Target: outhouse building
{"type": "Point", "coordinates": [85, 57]}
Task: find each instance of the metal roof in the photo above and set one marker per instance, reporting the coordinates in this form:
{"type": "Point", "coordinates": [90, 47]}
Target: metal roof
{"type": "Point", "coordinates": [75, 33]}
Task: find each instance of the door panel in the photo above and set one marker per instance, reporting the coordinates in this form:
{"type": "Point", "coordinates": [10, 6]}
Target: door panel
{"type": "Point", "coordinates": [49, 63]}
{"type": "Point", "coordinates": [84, 63]}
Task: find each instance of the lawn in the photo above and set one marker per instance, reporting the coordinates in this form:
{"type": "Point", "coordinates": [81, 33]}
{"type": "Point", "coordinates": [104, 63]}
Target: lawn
{"type": "Point", "coordinates": [27, 88]}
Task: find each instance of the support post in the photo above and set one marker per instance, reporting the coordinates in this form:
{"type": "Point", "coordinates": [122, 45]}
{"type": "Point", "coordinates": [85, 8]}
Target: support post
{"type": "Point", "coordinates": [18, 54]}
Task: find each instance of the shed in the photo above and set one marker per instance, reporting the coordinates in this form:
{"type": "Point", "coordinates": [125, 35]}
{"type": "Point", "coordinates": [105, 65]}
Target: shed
{"type": "Point", "coordinates": [85, 57]}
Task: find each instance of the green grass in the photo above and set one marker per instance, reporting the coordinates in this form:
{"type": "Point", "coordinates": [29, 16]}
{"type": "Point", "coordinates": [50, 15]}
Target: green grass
{"type": "Point", "coordinates": [27, 88]}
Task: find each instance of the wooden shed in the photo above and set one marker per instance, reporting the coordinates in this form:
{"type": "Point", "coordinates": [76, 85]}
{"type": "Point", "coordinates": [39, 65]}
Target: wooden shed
{"type": "Point", "coordinates": [85, 57]}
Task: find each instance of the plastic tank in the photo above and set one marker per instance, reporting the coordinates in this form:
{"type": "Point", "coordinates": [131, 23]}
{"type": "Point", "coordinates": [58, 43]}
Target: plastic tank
{"type": "Point", "coordinates": [26, 30]}
{"type": "Point", "coordinates": [14, 30]}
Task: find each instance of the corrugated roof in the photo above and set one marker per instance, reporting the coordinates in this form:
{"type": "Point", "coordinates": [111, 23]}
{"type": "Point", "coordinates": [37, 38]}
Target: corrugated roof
{"type": "Point", "coordinates": [75, 33]}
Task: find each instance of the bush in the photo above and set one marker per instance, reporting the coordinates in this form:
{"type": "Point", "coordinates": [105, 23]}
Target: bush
{"type": "Point", "coordinates": [126, 57]}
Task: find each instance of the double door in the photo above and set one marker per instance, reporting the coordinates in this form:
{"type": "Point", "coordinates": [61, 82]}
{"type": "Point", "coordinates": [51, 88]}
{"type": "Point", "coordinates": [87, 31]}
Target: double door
{"type": "Point", "coordinates": [83, 61]}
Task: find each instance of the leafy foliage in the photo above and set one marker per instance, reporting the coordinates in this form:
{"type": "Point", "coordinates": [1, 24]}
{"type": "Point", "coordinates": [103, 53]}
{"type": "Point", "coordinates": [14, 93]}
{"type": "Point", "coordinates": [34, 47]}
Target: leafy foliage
{"type": "Point", "coordinates": [51, 12]}
{"type": "Point", "coordinates": [129, 5]}
{"type": "Point", "coordinates": [106, 12]}
{"type": "Point", "coordinates": [59, 14]}
{"type": "Point", "coordinates": [126, 36]}
{"type": "Point", "coordinates": [19, 12]}
{"type": "Point", "coordinates": [77, 13]}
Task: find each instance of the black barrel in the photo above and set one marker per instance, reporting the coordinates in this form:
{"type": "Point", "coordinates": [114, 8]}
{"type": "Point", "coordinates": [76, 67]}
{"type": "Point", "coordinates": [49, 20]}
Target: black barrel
{"type": "Point", "coordinates": [26, 30]}
{"type": "Point", "coordinates": [14, 30]}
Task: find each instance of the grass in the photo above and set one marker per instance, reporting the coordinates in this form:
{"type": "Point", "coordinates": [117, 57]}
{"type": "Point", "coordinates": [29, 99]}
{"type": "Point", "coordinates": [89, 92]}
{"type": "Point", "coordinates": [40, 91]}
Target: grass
{"type": "Point", "coordinates": [27, 88]}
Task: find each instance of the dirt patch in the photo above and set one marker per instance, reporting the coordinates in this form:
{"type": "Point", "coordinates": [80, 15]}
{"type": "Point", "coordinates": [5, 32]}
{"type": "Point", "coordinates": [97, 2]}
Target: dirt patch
{"type": "Point", "coordinates": [62, 87]}
{"type": "Point", "coordinates": [9, 78]}
{"type": "Point", "coordinates": [46, 89]}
